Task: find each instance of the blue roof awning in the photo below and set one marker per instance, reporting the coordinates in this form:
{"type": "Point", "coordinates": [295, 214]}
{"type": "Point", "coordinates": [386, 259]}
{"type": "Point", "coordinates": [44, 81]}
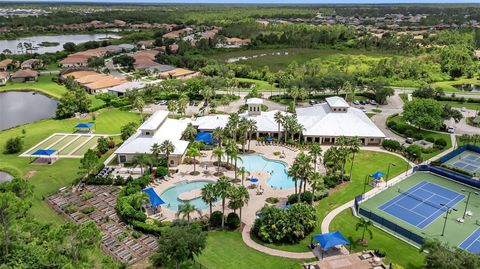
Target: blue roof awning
{"type": "Point", "coordinates": [153, 196]}
{"type": "Point", "coordinates": [44, 152]}
{"type": "Point", "coordinates": [204, 137]}
{"type": "Point", "coordinates": [84, 125]}
{"type": "Point", "coordinates": [332, 239]}
{"type": "Point", "coordinates": [377, 175]}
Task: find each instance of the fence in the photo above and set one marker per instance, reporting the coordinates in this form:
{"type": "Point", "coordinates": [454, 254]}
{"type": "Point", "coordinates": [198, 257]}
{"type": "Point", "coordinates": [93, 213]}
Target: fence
{"type": "Point", "coordinates": [448, 174]}
{"type": "Point", "coordinates": [458, 151]}
{"type": "Point", "coordinates": [392, 226]}
{"type": "Point", "coordinates": [198, 265]}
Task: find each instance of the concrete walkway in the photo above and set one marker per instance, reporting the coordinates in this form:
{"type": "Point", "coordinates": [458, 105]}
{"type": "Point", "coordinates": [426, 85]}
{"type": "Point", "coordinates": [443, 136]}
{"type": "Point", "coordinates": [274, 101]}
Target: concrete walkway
{"type": "Point", "coordinates": [275, 252]}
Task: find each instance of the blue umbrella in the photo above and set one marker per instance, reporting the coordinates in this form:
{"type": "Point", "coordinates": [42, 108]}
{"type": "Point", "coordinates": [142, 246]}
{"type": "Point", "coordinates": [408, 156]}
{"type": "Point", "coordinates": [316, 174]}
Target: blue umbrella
{"type": "Point", "coordinates": [254, 180]}
{"type": "Point", "coordinates": [377, 175]}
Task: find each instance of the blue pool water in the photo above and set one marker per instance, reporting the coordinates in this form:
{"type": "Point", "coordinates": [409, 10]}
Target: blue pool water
{"type": "Point", "coordinates": [279, 179]}
{"type": "Point", "coordinates": [170, 196]}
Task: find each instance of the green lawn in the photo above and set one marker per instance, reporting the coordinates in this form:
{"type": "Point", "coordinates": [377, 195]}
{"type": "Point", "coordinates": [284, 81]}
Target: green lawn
{"type": "Point", "coordinates": [46, 86]}
{"type": "Point", "coordinates": [262, 86]}
{"type": "Point", "coordinates": [397, 251]}
{"type": "Point", "coordinates": [226, 250]}
{"type": "Point", "coordinates": [425, 134]}
{"type": "Point", "coordinates": [473, 106]}
{"type": "Point", "coordinates": [279, 62]}
{"type": "Point", "coordinates": [449, 86]}
{"type": "Point", "coordinates": [46, 179]}
{"type": "Point", "coordinates": [366, 163]}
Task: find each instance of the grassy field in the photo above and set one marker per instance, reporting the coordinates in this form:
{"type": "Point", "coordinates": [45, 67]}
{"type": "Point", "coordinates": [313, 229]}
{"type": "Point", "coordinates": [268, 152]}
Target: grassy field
{"type": "Point", "coordinates": [472, 106]}
{"type": "Point", "coordinates": [46, 86]}
{"type": "Point", "coordinates": [48, 179]}
{"type": "Point", "coordinates": [277, 62]}
{"type": "Point", "coordinates": [455, 233]}
{"type": "Point", "coordinates": [425, 134]}
{"type": "Point", "coordinates": [397, 251]}
{"type": "Point", "coordinates": [226, 250]}
{"type": "Point", "coordinates": [366, 163]}
{"type": "Point", "coordinates": [449, 86]}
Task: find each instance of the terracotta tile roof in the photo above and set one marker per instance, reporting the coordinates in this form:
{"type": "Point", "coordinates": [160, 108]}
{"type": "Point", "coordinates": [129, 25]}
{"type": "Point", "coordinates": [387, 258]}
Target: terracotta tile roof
{"type": "Point", "coordinates": [106, 82]}
{"type": "Point", "coordinates": [79, 74]}
{"type": "Point", "coordinates": [3, 75]}
{"type": "Point", "coordinates": [5, 63]}
{"type": "Point", "coordinates": [75, 59]}
{"type": "Point", "coordinates": [178, 72]}
{"type": "Point", "coordinates": [25, 73]}
{"type": "Point", "coordinates": [90, 78]}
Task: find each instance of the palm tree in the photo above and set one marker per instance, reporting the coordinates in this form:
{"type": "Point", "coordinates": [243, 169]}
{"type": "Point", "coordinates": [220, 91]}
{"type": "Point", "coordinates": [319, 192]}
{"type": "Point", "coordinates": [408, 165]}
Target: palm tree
{"type": "Point", "coordinates": [223, 187]}
{"type": "Point", "coordinates": [239, 197]}
{"type": "Point", "coordinates": [242, 171]}
{"type": "Point", "coordinates": [193, 152]}
{"type": "Point", "coordinates": [316, 181]}
{"type": "Point", "coordinates": [167, 147]}
{"type": "Point", "coordinates": [235, 157]}
{"type": "Point", "coordinates": [343, 152]}
{"type": "Point", "coordinates": [251, 126]}
{"type": "Point", "coordinates": [209, 195]}
{"type": "Point", "coordinates": [189, 133]}
{"type": "Point", "coordinates": [218, 152]}
{"type": "Point", "coordinates": [156, 152]}
{"type": "Point", "coordinates": [365, 224]}
{"type": "Point", "coordinates": [232, 125]}
{"type": "Point", "coordinates": [217, 135]}
{"type": "Point", "coordinates": [278, 117]}
{"type": "Point", "coordinates": [315, 153]}
{"type": "Point", "coordinates": [186, 209]}
{"type": "Point", "coordinates": [354, 144]}
{"type": "Point", "coordinates": [141, 160]}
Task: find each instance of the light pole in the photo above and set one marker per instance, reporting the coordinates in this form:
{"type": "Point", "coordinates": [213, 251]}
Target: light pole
{"type": "Point", "coordinates": [365, 184]}
{"type": "Point", "coordinates": [449, 209]}
{"type": "Point", "coordinates": [388, 172]}
{"type": "Point", "coordinates": [468, 199]}
{"type": "Point", "coordinates": [408, 167]}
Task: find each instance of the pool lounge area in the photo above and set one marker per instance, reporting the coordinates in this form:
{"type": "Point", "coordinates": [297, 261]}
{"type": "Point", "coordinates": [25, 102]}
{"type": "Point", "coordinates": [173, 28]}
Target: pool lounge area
{"type": "Point", "coordinates": [176, 195]}
{"type": "Point", "coordinates": [278, 179]}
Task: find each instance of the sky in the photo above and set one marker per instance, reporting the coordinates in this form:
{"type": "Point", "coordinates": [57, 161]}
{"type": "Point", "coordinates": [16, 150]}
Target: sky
{"type": "Point", "coordinates": [258, 1]}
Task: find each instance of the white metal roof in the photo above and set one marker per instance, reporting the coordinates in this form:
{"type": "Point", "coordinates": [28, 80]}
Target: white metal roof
{"type": "Point", "coordinates": [128, 86]}
{"type": "Point", "coordinates": [154, 121]}
{"type": "Point", "coordinates": [254, 101]}
{"type": "Point", "coordinates": [336, 101]}
{"type": "Point", "coordinates": [319, 120]}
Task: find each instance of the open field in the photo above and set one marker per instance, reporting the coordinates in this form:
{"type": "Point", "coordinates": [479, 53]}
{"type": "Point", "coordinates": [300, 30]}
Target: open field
{"type": "Point", "coordinates": [448, 86]}
{"type": "Point", "coordinates": [472, 106]}
{"type": "Point", "coordinates": [286, 56]}
{"type": "Point", "coordinates": [47, 179]}
{"type": "Point", "coordinates": [426, 217]}
{"type": "Point", "coordinates": [226, 250]}
{"type": "Point", "coordinates": [366, 163]}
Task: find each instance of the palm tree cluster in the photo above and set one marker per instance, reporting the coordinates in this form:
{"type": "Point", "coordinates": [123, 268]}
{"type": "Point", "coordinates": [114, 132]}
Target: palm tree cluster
{"type": "Point", "coordinates": [193, 152]}
{"type": "Point", "coordinates": [290, 125]}
{"type": "Point", "coordinates": [336, 157]}
{"type": "Point", "coordinates": [153, 159]}
{"type": "Point", "coordinates": [223, 189]}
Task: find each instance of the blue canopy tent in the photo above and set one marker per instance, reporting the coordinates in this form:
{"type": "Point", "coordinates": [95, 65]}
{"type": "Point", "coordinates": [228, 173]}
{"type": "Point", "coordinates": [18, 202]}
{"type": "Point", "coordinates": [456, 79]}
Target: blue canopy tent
{"type": "Point", "coordinates": [84, 126]}
{"type": "Point", "coordinates": [153, 196]}
{"type": "Point", "coordinates": [377, 175]}
{"type": "Point", "coordinates": [329, 240]}
{"type": "Point", "coordinates": [44, 153]}
{"type": "Point", "coordinates": [205, 137]}
{"type": "Point", "coordinates": [254, 180]}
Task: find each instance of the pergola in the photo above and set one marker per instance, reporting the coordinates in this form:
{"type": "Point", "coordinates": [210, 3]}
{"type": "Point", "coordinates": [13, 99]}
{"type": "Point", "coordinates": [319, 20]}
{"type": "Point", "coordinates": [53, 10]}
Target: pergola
{"type": "Point", "coordinates": [329, 240]}
{"type": "Point", "coordinates": [44, 154]}
{"type": "Point", "coordinates": [84, 126]}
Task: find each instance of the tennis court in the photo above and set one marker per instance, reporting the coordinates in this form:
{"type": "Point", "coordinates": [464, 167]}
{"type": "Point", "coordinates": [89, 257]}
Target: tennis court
{"type": "Point", "coordinates": [472, 243]}
{"type": "Point", "coordinates": [468, 161]}
{"type": "Point", "coordinates": [411, 209]}
{"type": "Point", "coordinates": [421, 204]}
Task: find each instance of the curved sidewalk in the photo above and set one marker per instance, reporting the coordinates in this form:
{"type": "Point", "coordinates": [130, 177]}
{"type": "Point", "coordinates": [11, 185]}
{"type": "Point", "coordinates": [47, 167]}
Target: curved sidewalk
{"type": "Point", "coordinates": [275, 252]}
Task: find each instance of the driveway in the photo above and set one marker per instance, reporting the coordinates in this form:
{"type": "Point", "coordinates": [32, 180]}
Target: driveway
{"type": "Point", "coordinates": [462, 127]}
{"type": "Point", "coordinates": [113, 71]}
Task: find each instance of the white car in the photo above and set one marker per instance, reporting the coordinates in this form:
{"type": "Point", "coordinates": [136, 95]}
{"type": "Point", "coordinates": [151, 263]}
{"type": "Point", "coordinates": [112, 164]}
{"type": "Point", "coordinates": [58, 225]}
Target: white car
{"type": "Point", "coordinates": [450, 129]}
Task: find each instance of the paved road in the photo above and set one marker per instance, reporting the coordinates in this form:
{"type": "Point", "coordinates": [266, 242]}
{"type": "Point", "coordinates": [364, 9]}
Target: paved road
{"type": "Point", "coordinates": [113, 71]}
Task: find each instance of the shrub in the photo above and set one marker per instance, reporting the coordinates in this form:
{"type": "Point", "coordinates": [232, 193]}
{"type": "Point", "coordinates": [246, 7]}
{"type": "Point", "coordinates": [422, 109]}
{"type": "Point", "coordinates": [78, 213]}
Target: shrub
{"type": "Point", "coordinates": [272, 200]}
{"type": "Point", "coordinates": [441, 143]}
{"type": "Point", "coordinates": [70, 208]}
{"type": "Point", "coordinates": [162, 171]}
{"type": "Point", "coordinates": [380, 253]}
{"type": "Point", "coordinates": [94, 180]}
{"type": "Point", "coordinates": [14, 145]}
{"type": "Point", "coordinates": [430, 139]}
{"type": "Point", "coordinates": [331, 181]}
{"type": "Point", "coordinates": [216, 219]}
{"type": "Point", "coordinates": [233, 221]}
{"type": "Point", "coordinates": [136, 234]}
{"type": "Point", "coordinates": [88, 210]}
{"type": "Point", "coordinates": [306, 197]}
{"type": "Point", "coordinates": [319, 195]}
{"type": "Point", "coordinates": [392, 145]}
{"type": "Point", "coordinates": [87, 195]}
{"type": "Point", "coordinates": [102, 145]}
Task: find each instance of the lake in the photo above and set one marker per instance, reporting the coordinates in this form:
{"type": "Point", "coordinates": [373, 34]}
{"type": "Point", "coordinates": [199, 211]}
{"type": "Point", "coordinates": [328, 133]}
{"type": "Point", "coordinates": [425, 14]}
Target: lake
{"type": "Point", "coordinates": [61, 39]}
{"type": "Point", "coordinates": [18, 108]}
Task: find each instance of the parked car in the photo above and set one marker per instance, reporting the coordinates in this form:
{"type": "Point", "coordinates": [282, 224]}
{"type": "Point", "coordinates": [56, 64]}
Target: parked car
{"type": "Point", "coordinates": [356, 102]}
{"type": "Point", "coordinates": [311, 102]}
{"type": "Point", "coordinates": [362, 102]}
{"type": "Point", "coordinates": [161, 102]}
{"type": "Point", "coordinates": [373, 102]}
{"type": "Point", "coordinates": [450, 129]}
{"type": "Point", "coordinates": [409, 140]}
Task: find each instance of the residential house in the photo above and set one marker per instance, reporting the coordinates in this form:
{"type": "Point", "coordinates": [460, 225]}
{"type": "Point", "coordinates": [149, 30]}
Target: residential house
{"type": "Point", "coordinates": [6, 64]}
{"type": "Point", "coordinates": [178, 73]}
{"type": "Point", "coordinates": [31, 64]}
{"type": "Point", "coordinates": [25, 75]}
{"type": "Point", "coordinates": [4, 76]}
{"type": "Point", "coordinates": [122, 89]}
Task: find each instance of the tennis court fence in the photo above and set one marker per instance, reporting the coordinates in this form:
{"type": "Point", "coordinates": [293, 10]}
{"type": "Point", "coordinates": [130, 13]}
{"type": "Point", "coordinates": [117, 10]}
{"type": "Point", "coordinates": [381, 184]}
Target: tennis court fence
{"type": "Point", "coordinates": [395, 228]}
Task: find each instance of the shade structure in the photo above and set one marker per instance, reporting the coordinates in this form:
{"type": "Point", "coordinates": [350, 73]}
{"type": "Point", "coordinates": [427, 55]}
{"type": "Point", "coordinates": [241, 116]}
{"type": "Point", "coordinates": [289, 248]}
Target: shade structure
{"type": "Point", "coordinates": [254, 180]}
{"type": "Point", "coordinates": [377, 175]}
{"type": "Point", "coordinates": [332, 239]}
{"type": "Point", "coordinates": [44, 152]}
{"type": "Point", "coordinates": [84, 125]}
{"type": "Point", "coordinates": [204, 137]}
{"type": "Point", "coordinates": [153, 196]}
{"type": "Point", "coordinates": [268, 139]}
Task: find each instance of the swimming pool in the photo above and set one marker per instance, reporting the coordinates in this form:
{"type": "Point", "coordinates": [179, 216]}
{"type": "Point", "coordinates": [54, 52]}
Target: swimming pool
{"type": "Point", "coordinates": [279, 178]}
{"type": "Point", "coordinates": [170, 195]}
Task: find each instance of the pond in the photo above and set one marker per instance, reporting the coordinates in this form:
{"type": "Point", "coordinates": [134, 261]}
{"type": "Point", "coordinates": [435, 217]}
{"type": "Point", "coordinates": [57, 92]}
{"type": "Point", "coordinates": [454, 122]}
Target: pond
{"type": "Point", "coordinates": [13, 45]}
{"type": "Point", "coordinates": [5, 177]}
{"type": "Point", "coordinates": [18, 108]}
{"type": "Point", "coordinates": [468, 87]}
